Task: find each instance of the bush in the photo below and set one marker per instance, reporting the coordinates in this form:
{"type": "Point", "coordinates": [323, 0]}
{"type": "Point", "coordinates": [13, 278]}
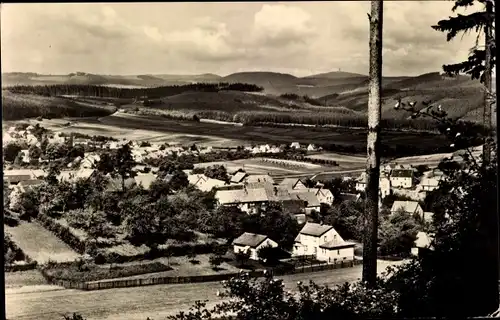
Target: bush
{"type": "Point", "coordinates": [63, 233]}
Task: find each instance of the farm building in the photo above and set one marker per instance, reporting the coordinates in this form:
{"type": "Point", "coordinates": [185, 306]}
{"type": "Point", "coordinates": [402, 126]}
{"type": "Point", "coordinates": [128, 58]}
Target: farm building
{"type": "Point", "coordinates": [252, 242]}
{"type": "Point", "coordinates": [292, 184]}
{"type": "Point", "coordinates": [322, 241]}
{"type": "Point", "coordinates": [402, 178]}
{"type": "Point", "coordinates": [247, 200]}
{"type": "Point", "coordinates": [259, 178]}
{"type": "Point", "coordinates": [410, 207]}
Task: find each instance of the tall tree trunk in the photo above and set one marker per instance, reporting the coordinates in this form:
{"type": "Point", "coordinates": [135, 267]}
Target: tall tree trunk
{"type": "Point", "coordinates": [487, 80]}
{"type": "Point", "coordinates": [373, 145]}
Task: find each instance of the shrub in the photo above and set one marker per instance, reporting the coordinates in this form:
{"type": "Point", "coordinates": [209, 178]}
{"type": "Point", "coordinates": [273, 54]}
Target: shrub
{"type": "Point", "coordinates": [64, 233]}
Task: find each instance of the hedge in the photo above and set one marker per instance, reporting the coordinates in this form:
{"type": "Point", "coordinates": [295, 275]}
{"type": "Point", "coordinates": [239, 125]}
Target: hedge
{"type": "Point", "coordinates": [62, 233]}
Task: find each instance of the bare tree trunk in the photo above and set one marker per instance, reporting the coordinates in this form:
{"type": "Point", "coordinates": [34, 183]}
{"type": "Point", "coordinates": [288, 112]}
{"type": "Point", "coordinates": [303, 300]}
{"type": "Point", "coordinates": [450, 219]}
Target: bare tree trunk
{"type": "Point", "coordinates": [487, 81]}
{"type": "Point", "coordinates": [373, 145]}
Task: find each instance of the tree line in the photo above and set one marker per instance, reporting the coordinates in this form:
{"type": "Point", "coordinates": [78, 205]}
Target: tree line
{"type": "Point", "coordinates": [129, 93]}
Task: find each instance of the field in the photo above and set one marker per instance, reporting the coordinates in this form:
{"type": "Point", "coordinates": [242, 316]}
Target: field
{"type": "Point", "coordinates": [39, 244]}
{"type": "Point", "coordinates": [21, 106]}
{"type": "Point", "coordinates": [155, 302]}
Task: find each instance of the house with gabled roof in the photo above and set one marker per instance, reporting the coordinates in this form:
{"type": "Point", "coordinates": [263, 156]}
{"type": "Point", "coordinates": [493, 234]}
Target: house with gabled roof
{"type": "Point", "coordinates": [410, 207]}
{"type": "Point", "coordinates": [429, 183]}
{"type": "Point", "coordinates": [247, 200]}
{"type": "Point", "coordinates": [89, 160]}
{"type": "Point", "coordinates": [402, 178]}
{"type": "Point", "coordinates": [292, 184]}
{"type": "Point", "coordinates": [295, 145]}
{"type": "Point", "coordinates": [204, 183]}
{"type": "Point", "coordinates": [310, 200]}
{"type": "Point", "coordinates": [323, 242]}
{"type": "Point", "coordinates": [422, 244]}
{"type": "Point", "coordinates": [252, 242]}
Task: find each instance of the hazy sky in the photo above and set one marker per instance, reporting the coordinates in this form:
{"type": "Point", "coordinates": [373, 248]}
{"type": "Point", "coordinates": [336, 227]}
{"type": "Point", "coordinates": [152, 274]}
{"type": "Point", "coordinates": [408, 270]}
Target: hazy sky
{"type": "Point", "coordinates": [188, 38]}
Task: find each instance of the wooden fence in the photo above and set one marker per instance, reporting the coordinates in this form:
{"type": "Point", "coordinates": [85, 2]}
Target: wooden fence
{"type": "Point", "coordinates": [111, 284]}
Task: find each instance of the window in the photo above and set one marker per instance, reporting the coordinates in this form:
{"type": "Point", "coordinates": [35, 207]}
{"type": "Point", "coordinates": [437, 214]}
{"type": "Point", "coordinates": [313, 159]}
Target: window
{"type": "Point", "coordinates": [324, 239]}
{"type": "Point", "coordinates": [315, 250]}
{"type": "Point", "coordinates": [335, 237]}
{"type": "Point", "coordinates": [305, 248]}
{"type": "Point", "coordinates": [338, 252]}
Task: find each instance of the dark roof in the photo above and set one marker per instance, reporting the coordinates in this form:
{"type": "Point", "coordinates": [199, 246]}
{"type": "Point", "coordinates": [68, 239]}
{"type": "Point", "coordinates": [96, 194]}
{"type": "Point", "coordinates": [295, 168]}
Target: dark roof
{"type": "Point", "coordinates": [402, 173]}
{"type": "Point", "coordinates": [315, 229]}
{"type": "Point", "coordinates": [115, 184]}
{"type": "Point", "coordinates": [293, 206]}
{"type": "Point", "coordinates": [251, 240]}
{"type": "Point", "coordinates": [348, 197]}
{"type": "Point", "coordinates": [331, 245]}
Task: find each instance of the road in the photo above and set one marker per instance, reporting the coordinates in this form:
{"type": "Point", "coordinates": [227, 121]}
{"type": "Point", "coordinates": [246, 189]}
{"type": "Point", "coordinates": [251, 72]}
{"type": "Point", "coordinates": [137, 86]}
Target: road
{"type": "Point", "coordinates": [155, 302]}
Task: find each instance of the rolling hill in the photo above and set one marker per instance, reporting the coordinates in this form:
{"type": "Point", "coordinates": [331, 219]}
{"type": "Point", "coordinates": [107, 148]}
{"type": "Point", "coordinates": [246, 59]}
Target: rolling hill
{"type": "Point", "coordinates": [336, 91]}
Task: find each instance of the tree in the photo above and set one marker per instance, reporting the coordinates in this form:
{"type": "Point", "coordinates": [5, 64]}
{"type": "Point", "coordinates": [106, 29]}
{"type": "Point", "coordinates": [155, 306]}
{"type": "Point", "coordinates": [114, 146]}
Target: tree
{"type": "Point", "coordinates": [268, 255]}
{"type": "Point", "coordinates": [123, 164]}
{"type": "Point", "coordinates": [397, 234]}
{"type": "Point", "coordinates": [29, 203]}
{"type": "Point", "coordinates": [215, 261]}
{"type": "Point", "coordinates": [373, 145]}
{"type": "Point", "coordinates": [242, 257]}
{"type": "Point", "coordinates": [11, 151]}
{"type": "Point", "coordinates": [480, 62]}
{"type": "Point", "coordinates": [347, 218]}
{"type": "Point", "coordinates": [226, 222]}
{"type": "Point", "coordinates": [35, 152]}
{"type": "Point", "coordinates": [52, 174]}
{"type": "Point", "coordinates": [217, 172]}
{"type": "Point", "coordinates": [178, 180]}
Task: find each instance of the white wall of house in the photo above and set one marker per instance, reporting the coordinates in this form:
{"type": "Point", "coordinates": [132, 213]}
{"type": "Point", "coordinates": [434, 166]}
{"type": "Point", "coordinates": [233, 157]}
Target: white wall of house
{"type": "Point", "coordinates": [360, 186]}
{"type": "Point", "coordinates": [310, 244]}
{"type": "Point", "coordinates": [402, 182]}
{"type": "Point", "coordinates": [385, 187]}
{"type": "Point", "coordinates": [311, 209]}
{"type": "Point", "coordinates": [335, 255]}
{"type": "Point", "coordinates": [254, 251]}
{"type": "Point", "coordinates": [325, 196]}
{"type": "Point", "coordinates": [299, 186]}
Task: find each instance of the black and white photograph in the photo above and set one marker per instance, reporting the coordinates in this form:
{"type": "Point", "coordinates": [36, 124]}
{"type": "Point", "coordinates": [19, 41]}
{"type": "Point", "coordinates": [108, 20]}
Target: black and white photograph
{"type": "Point", "coordinates": [250, 160]}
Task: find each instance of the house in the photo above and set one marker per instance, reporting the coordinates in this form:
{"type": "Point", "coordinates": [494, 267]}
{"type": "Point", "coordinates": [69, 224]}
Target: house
{"type": "Point", "coordinates": [295, 145]}
{"type": "Point", "coordinates": [323, 242]}
{"type": "Point", "coordinates": [252, 242]}
{"type": "Point", "coordinates": [361, 182]}
{"type": "Point", "coordinates": [26, 155]}
{"type": "Point", "coordinates": [292, 184]}
{"type": "Point", "coordinates": [115, 184]}
{"type": "Point", "coordinates": [410, 207]}
{"type": "Point", "coordinates": [310, 199]}
{"type": "Point", "coordinates": [66, 176]}
{"type": "Point", "coordinates": [204, 183]}
{"type": "Point", "coordinates": [238, 177]}
{"type": "Point", "coordinates": [428, 216]}
{"type": "Point", "coordinates": [311, 147]}
{"type": "Point", "coordinates": [247, 200]}
{"type": "Point", "coordinates": [145, 179]}
{"type": "Point", "coordinates": [27, 184]}
{"type": "Point", "coordinates": [259, 178]}
{"type": "Point", "coordinates": [422, 244]}
{"type": "Point", "coordinates": [402, 178]}
{"type": "Point", "coordinates": [387, 168]}
{"type": "Point", "coordinates": [384, 187]}
{"type": "Point", "coordinates": [89, 160]}
{"type": "Point", "coordinates": [264, 148]}
{"type": "Point", "coordinates": [429, 183]}
{"type": "Point", "coordinates": [16, 176]}
{"type": "Point", "coordinates": [275, 149]}
{"type": "Point", "coordinates": [324, 195]}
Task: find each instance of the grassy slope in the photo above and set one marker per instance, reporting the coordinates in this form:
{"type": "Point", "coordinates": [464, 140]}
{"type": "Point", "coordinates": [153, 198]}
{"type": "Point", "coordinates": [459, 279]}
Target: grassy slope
{"type": "Point", "coordinates": [17, 106]}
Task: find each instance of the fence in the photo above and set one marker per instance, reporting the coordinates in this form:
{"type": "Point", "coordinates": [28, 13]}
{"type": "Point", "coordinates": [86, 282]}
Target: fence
{"type": "Point", "coordinates": [111, 284]}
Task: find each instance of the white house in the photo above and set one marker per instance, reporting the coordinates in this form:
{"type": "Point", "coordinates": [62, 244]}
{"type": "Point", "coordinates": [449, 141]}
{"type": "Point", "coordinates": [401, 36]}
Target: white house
{"type": "Point", "coordinates": [323, 242]}
{"type": "Point", "coordinates": [252, 242]}
{"type": "Point", "coordinates": [429, 183]}
{"type": "Point", "coordinates": [145, 179]}
{"type": "Point", "coordinates": [311, 147]}
{"type": "Point", "coordinates": [323, 195]}
{"type": "Point", "coordinates": [423, 242]}
{"type": "Point", "coordinates": [410, 207]}
{"type": "Point", "coordinates": [402, 178]}
{"type": "Point", "coordinates": [295, 145]}
{"type": "Point", "coordinates": [361, 182]}
{"type": "Point", "coordinates": [89, 160]}
{"type": "Point", "coordinates": [384, 187]}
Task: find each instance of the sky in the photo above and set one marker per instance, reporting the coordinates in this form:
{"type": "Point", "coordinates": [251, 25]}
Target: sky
{"type": "Point", "coordinates": [301, 38]}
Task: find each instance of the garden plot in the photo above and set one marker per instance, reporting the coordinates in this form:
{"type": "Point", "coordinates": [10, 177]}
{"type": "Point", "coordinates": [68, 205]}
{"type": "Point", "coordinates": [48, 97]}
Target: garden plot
{"type": "Point", "coordinates": [40, 244]}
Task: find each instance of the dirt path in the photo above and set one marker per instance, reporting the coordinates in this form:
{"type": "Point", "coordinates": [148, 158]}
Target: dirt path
{"type": "Point", "coordinates": [138, 303]}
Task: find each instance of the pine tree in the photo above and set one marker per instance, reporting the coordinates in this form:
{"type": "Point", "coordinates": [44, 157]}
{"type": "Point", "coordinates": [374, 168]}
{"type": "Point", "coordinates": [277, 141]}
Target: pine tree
{"type": "Point", "coordinates": [481, 61]}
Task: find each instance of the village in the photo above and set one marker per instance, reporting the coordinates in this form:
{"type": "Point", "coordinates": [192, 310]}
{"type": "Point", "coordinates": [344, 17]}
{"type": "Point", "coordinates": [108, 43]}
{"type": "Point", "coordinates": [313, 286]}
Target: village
{"type": "Point", "coordinates": [318, 238]}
